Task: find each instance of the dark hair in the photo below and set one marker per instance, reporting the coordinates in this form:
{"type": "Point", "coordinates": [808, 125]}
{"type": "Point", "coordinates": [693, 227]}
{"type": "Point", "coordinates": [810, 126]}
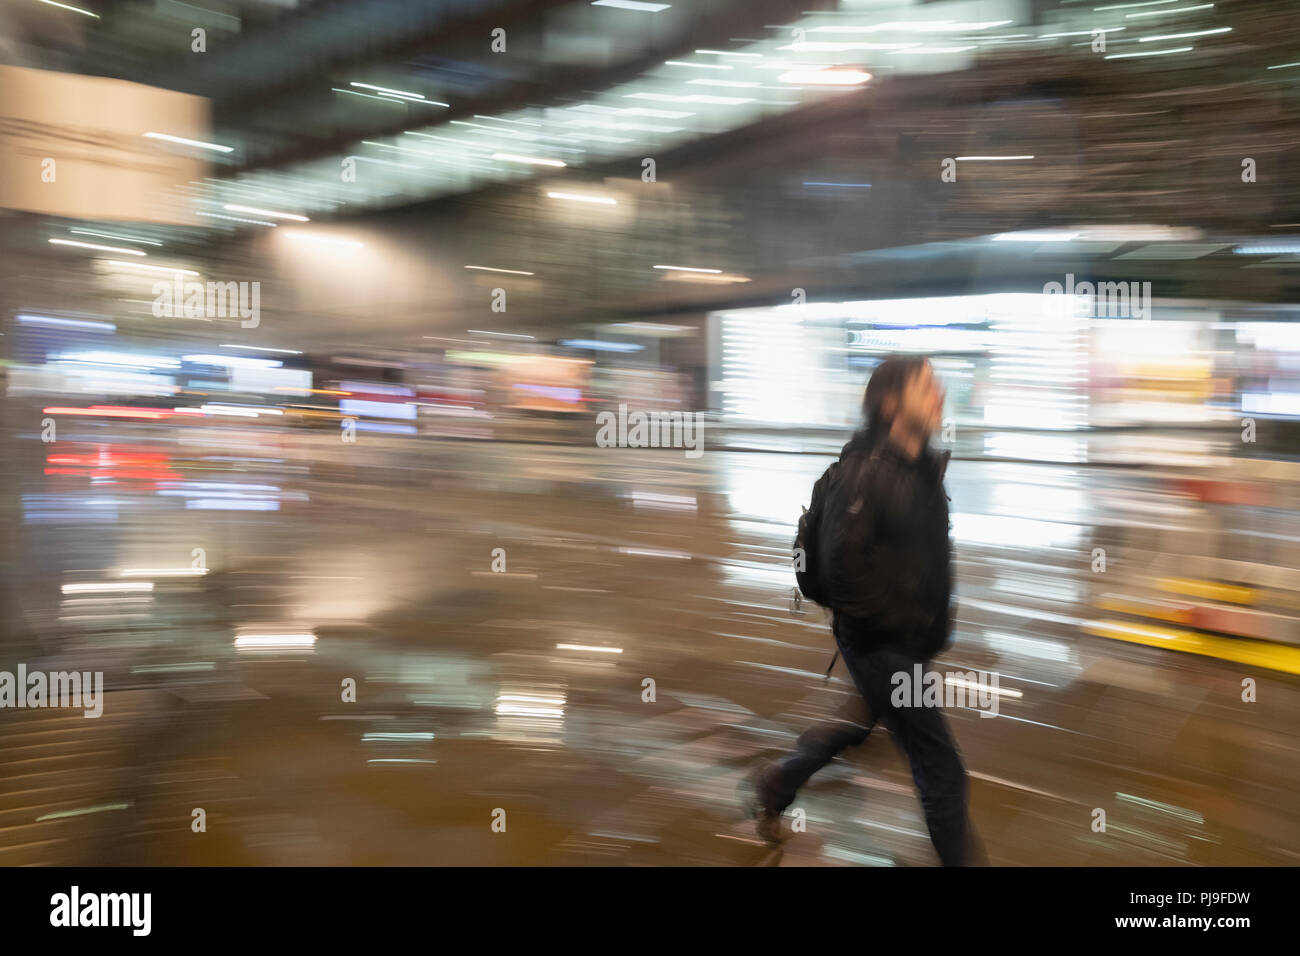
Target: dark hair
{"type": "Point", "coordinates": [889, 379]}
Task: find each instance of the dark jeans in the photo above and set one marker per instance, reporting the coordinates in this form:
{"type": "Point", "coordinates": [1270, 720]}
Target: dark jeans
{"type": "Point", "coordinates": [921, 732]}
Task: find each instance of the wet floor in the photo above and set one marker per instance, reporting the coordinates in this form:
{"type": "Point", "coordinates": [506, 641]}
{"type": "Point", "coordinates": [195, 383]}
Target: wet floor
{"type": "Point", "coordinates": [576, 656]}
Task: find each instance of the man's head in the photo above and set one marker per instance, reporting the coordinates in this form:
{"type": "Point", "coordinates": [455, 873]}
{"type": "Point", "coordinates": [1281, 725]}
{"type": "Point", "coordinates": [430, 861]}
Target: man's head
{"type": "Point", "coordinates": [903, 391]}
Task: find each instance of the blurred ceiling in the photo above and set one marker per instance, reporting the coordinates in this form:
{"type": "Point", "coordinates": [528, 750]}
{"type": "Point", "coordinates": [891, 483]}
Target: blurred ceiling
{"type": "Point", "coordinates": [764, 170]}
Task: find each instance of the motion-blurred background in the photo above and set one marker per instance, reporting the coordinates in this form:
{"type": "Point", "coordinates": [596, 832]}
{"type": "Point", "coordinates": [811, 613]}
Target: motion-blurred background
{"type": "Point", "coordinates": [310, 309]}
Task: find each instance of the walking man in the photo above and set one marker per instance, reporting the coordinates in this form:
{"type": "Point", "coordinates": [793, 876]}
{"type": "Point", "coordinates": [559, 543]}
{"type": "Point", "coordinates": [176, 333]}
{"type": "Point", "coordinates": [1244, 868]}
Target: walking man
{"type": "Point", "coordinates": [884, 560]}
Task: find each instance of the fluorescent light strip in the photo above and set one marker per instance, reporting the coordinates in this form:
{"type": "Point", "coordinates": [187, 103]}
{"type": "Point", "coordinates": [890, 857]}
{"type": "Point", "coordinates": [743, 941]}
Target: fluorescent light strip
{"type": "Point", "coordinates": [109, 235]}
{"type": "Point", "coordinates": [383, 89]}
{"type": "Point", "coordinates": [757, 56]}
{"type": "Point", "coordinates": [260, 348]}
{"type": "Point", "coordinates": [501, 119]}
{"type": "Point", "coordinates": [64, 6]}
{"type": "Point", "coordinates": [533, 160]}
{"type": "Point", "coordinates": [266, 212]}
{"type": "Point", "coordinates": [601, 200]}
{"type": "Point", "coordinates": [589, 647]}
{"type": "Point", "coordinates": [66, 323]}
{"type": "Point", "coordinates": [1035, 236]}
{"type": "Point", "coordinates": [164, 572]}
{"type": "Point", "coordinates": [141, 265]}
{"type": "Point", "coordinates": [1161, 13]}
{"type": "Point", "coordinates": [217, 215]}
{"type": "Point", "coordinates": [513, 272]}
{"type": "Point", "coordinates": [1125, 56]}
{"type": "Point", "coordinates": [698, 66]}
{"type": "Point", "coordinates": [190, 142]}
{"type": "Point", "coordinates": [106, 587]}
{"type": "Point", "coordinates": [92, 245]}
{"type": "Point", "coordinates": [933, 49]}
{"type": "Point", "coordinates": [826, 46]}
{"type": "Point", "coordinates": [491, 129]}
{"type": "Point", "coordinates": [1130, 6]}
{"type": "Point", "coordinates": [981, 159]}
{"type": "Point", "coordinates": [275, 640]}
{"type": "Point", "coordinates": [632, 5]}
{"type": "Point", "coordinates": [1081, 33]}
{"type": "Point", "coordinates": [715, 272]}
{"type": "Point", "coordinates": [382, 99]}
{"type": "Point", "coordinates": [1184, 36]}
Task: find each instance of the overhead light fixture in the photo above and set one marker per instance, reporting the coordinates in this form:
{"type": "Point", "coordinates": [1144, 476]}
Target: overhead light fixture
{"type": "Point", "coordinates": [1162, 13]}
{"type": "Point", "coordinates": [276, 640]}
{"type": "Point", "coordinates": [597, 345]}
{"type": "Point", "coordinates": [755, 56]}
{"type": "Point", "coordinates": [720, 278]}
{"type": "Point", "coordinates": [110, 235]}
{"type": "Point", "coordinates": [1125, 56]}
{"type": "Point", "coordinates": [1130, 6]}
{"type": "Point", "coordinates": [105, 587]}
{"type": "Point", "coordinates": [388, 97]}
{"type": "Point", "coordinates": [989, 159]}
{"type": "Point", "coordinates": [826, 46]}
{"type": "Point", "coordinates": [92, 245]}
{"type": "Point", "coordinates": [690, 269]}
{"type": "Point", "coordinates": [164, 572]}
{"type": "Point", "coordinates": [934, 49]}
{"type": "Point", "coordinates": [252, 222]}
{"type": "Point", "coordinates": [632, 5]}
{"type": "Point", "coordinates": [383, 89]}
{"type": "Point", "coordinates": [231, 361]}
{"type": "Point", "coordinates": [827, 77]}
{"type": "Point", "coordinates": [64, 6]}
{"type": "Point", "coordinates": [66, 323]}
{"type": "Point", "coordinates": [698, 66]}
{"type": "Point", "coordinates": [1184, 36]}
{"type": "Point", "coordinates": [513, 272]}
{"type": "Point", "coordinates": [1031, 236]}
{"type": "Point", "coordinates": [651, 328]}
{"type": "Point", "coordinates": [141, 265]}
{"type": "Point", "coordinates": [260, 348]}
{"type": "Point", "coordinates": [266, 212]}
{"type": "Point", "coordinates": [575, 197]}
{"type": "Point", "coordinates": [532, 160]}
{"type": "Point", "coordinates": [217, 147]}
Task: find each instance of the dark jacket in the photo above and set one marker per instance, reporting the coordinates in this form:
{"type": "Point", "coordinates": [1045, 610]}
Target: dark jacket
{"type": "Point", "coordinates": [885, 548]}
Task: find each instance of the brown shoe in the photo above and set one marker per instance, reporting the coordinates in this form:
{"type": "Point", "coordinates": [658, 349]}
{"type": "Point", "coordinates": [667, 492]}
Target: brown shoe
{"type": "Point", "coordinates": [768, 825]}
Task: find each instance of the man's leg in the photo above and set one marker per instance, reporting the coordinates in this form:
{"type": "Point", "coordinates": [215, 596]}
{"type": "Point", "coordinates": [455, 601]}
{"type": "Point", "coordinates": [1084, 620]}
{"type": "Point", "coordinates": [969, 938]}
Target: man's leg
{"type": "Point", "coordinates": [816, 747]}
{"type": "Point", "coordinates": [923, 734]}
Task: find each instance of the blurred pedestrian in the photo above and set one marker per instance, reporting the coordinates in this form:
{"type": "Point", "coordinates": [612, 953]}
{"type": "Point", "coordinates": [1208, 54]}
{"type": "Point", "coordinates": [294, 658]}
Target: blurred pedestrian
{"type": "Point", "coordinates": [882, 559]}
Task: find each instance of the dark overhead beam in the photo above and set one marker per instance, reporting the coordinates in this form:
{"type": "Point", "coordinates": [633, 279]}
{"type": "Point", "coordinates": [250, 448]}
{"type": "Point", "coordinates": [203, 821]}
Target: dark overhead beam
{"type": "Point", "coordinates": [723, 20]}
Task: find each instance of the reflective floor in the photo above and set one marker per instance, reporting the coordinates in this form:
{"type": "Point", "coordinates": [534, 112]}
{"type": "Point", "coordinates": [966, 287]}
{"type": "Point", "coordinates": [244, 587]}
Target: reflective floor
{"type": "Point", "coordinates": [600, 686]}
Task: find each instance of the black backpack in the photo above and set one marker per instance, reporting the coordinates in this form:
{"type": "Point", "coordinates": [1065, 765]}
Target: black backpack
{"type": "Point", "coordinates": [807, 541]}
